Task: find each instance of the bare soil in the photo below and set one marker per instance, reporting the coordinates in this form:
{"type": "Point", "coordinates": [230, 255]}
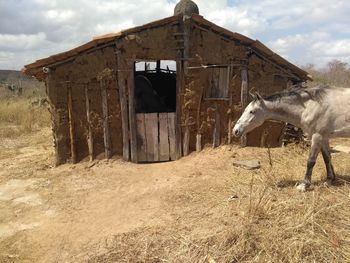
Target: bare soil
{"type": "Point", "coordinates": [197, 209]}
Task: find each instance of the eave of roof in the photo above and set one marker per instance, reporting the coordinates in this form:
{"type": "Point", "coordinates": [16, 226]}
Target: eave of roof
{"type": "Point", "coordinates": [35, 68]}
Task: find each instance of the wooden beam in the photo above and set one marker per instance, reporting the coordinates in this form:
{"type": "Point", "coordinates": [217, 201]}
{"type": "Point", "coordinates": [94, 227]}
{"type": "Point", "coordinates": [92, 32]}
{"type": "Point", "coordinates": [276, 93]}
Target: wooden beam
{"type": "Point", "coordinates": [90, 139]}
{"type": "Point", "coordinates": [106, 132]}
{"type": "Point", "coordinates": [71, 124]}
{"type": "Point", "coordinates": [132, 114]}
{"type": "Point", "coordinates": [123, 106]}
{"type": "Point", "coordinates": [244, 98]}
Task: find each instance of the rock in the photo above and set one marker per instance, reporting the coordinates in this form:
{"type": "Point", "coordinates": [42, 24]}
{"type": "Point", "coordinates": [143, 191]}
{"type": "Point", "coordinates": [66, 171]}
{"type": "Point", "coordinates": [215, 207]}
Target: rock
{"type": "Point", "coordinates": [247, 164]}
{"type": "Point", "coordinates": [341, 148]}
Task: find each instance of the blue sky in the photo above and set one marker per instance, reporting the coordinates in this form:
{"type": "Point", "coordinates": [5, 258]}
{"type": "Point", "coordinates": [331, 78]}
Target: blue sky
{"type": "Point", "coordinates": [304, 32]}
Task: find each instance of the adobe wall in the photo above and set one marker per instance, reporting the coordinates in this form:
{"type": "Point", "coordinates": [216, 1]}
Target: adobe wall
{"type": "Point", "coordinates": [208, 47]}
{"type": "Point", "coordinates": [78, 75]}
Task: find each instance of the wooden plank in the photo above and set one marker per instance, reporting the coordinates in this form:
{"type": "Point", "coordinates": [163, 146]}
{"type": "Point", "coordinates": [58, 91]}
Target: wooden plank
{"type": "Point", "coordinates": [244, 98]}
{"type": "Point", "coordinates": [172, 137]}
{"type": "Point", "coordinates": [123, 107]}
{"type": "Point", "coordinates": [71, 125]}
{"type": "Point", "coordinates": [151, 125]}
{"type": "Point", "coordinates": [106, 133]}
{"type": "Point", "coordinates": [132, 114]}
{"type": "Point", "coordinates": [217, 132]}
{"type": "Point", "coordinates": [163, 137]}
{"type": "Point", "coordinates": [90, 139]}
{"type": "Point", "coordinates": [141, 137]}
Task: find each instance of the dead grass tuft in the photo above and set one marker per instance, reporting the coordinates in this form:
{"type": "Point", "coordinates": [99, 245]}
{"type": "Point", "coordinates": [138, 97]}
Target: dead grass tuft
{"type": "Point", "coordinates": [18, 116]}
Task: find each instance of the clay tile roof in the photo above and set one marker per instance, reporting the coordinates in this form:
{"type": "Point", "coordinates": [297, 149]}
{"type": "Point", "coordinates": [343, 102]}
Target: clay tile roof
{"type": "Point", "coordinates": [35, 68]}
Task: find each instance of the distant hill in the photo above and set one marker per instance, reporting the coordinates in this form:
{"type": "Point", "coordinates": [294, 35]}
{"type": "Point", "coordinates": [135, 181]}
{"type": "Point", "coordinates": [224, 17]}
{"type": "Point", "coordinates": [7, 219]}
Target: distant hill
{"type": "Point", "coordinates": [12, 75]}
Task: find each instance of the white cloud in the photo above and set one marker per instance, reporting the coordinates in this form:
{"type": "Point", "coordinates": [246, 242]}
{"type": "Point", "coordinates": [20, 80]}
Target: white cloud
{"type": "Point", "coordinates": [303, 31]}
{"type": "Point", "coordinates": [22, 41]}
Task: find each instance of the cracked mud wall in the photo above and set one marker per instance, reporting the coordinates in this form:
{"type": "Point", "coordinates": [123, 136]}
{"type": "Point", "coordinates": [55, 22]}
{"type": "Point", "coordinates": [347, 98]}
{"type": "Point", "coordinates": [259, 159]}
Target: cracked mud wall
{"type": "Point", "coordinates": [78, 75]}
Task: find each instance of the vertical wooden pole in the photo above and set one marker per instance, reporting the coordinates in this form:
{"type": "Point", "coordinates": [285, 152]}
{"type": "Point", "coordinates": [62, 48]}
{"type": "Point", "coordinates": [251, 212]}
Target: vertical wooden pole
{"type": "Point", "coordinates": [71, 124]}
{"type": "Point", "coordinates": [198, 142]}
{"type": "Point", "coordinates": [123, 106]}
{"type": "Point", "coordinates": [199, 108]}
{"type": "Point", "coordinates": [229, 125]}
{"type": "Point", "coordinates": [132, 114]}
{"type": "Point", "coordinates": [106, 133]}
{"type": "Point", "coordinates": [186, 141]}
{"type": "Point", "coordinates": [244, 98]}
{"type": "Point", "coordinates": [179, 84]}
{"type": "Point", "coordinates": [90, 139]}
{"type": "Point", "coordinates": [217, 130]}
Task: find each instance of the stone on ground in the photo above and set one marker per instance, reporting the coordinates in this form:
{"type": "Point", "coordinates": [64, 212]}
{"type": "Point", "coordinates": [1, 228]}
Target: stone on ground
{"type": "Point", "coordinates": [247, 164]}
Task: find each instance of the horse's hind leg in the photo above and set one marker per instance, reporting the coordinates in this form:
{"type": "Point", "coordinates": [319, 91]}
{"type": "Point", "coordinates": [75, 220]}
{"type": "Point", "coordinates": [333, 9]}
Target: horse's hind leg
{"type": "Point", "coordinates": [326, 154]}
{"type": "Point", "coordinates": [316, 145]}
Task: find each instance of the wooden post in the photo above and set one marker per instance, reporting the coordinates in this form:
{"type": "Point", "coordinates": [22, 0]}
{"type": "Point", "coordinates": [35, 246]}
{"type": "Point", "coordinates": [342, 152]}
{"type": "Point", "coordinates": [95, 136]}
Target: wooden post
{"type": "Point", "coordinates": [123, 106]}
{"type": "Point", "coordinates": [90, 139]}
{"type": "Point", "coordinates": [132, 114]}
{"type": "Point", "coordinates": [199, 142]}
{"type": "Point", "coordinates": [106, 133]}
{"type": "Point", "coordinates": [186, 141]}
{"type": "Point", "coordinates": [179, 84]}
{"type": "Point", "coordinates": [217, 131]}
{"type": "Point", "coordinates": [244, 98]}
{"type": "Point", "coordinates": [229, 125]}
{"type": "Point", "coordinates": [71, 124]}
{"type": "Point", "coordinates": [199, 135]}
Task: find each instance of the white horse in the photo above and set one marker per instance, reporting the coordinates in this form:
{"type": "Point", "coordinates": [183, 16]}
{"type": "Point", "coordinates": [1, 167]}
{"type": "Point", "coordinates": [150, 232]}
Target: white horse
{"type": "Point", "coordinates": [321, 112]}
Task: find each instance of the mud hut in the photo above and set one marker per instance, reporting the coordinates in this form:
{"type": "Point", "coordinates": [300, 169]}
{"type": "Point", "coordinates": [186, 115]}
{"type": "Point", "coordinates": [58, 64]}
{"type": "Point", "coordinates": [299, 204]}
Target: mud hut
{"type": "Point", "coordinates": [159, 91]}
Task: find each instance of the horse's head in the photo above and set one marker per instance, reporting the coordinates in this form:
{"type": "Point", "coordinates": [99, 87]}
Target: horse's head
{"type": "Point", "coordinates": [253, 116]}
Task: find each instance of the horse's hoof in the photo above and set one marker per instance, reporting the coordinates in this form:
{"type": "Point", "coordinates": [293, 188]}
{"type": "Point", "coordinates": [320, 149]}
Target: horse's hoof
{"type": "Point", "coordinates": [328, 183]}
{"type": "Point", "coordinates": [302, 187]}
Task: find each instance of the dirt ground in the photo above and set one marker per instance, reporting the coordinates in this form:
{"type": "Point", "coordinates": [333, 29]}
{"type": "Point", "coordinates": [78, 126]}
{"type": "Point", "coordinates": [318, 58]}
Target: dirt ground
{"type": "Point", "coordinates": [197, 209]}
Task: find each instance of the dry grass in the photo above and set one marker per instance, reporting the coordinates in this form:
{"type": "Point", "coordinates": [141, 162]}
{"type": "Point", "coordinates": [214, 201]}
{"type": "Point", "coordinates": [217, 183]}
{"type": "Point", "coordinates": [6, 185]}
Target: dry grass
{"type": "Point", "coordinates": [266, 220]}
{"type": "Point", "coordinates": [18, 116]}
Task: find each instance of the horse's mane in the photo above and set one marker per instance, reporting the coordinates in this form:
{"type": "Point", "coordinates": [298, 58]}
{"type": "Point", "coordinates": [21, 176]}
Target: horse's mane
{"type": "Point", "coordinates": [315, 93]}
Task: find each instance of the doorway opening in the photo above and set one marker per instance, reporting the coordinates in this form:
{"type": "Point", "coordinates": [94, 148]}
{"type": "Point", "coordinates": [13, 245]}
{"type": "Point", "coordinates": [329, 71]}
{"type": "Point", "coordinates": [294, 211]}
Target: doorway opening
{"type": "Point", "coordinates": [155, 107]}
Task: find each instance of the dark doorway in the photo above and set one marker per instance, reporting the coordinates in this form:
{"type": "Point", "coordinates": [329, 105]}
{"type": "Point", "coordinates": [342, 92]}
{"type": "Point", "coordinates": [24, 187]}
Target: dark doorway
{"type": "Point", "coordinates": [155, 86]}
{"type": "Point", "coordinates": [155, 106]}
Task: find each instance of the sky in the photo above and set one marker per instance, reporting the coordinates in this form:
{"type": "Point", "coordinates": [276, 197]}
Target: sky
{"type": "Point", "coordinates": [304, 32]}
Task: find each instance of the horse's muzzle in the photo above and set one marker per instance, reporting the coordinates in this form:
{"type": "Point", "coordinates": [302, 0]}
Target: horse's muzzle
{"type": "Point", "coordinates": [237, 132]}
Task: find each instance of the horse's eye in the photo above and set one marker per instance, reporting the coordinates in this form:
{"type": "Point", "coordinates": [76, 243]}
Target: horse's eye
{"type": "Point", "coordinates": [251, 112]}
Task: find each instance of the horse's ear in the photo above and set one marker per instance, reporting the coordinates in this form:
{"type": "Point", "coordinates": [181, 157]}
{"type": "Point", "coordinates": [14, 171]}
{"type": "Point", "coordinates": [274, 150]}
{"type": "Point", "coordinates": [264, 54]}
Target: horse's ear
{"type": "Point", "coordinates": [252, 94]}
{"type": "Point", "coordinates": [258, 96]}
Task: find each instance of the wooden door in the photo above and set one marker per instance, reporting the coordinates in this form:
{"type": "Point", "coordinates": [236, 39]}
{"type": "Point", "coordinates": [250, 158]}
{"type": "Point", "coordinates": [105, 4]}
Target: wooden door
{"type": "Point", "coordinates": [155, 134]}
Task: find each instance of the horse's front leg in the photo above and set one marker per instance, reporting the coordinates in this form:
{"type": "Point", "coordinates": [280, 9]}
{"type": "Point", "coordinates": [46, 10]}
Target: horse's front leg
{"type": "Point", "coordinates": [326, 154]}
{"type": "Point", "coordinates": [316, 146]}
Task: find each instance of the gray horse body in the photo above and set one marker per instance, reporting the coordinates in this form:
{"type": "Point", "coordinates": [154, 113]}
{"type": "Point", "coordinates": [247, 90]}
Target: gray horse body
{"type": "Point", "coordinates": [321, 112]}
